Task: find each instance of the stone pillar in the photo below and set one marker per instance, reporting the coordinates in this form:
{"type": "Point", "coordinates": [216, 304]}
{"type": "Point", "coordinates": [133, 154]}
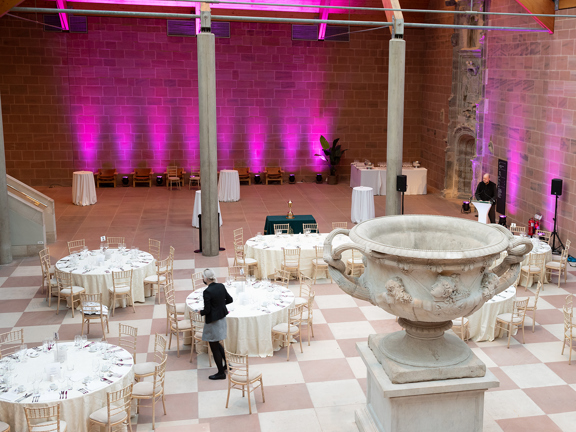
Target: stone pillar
{"type": "Point", "coordinates": [5, 241]}
{"type": "Point", "coordinates": [208, 144]}
{"type": "Point", "coordinates": [394, 148]}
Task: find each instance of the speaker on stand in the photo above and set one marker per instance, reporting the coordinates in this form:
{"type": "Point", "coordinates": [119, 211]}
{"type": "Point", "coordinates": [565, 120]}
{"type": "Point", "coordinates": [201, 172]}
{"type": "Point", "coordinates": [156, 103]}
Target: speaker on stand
{"type": "Point", "coordinates": [556, 189]}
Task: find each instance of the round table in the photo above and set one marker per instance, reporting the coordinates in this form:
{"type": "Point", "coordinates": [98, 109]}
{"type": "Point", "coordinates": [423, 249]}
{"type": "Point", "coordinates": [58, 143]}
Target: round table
{"type": "Point", "coordinates": [198, 210]}
{"type": "Point", "coordinates": [482, 323]}
{"type": "Point", "coordinates": [229, 186]}
{"type": "Point", "coordinates": [83, 188]}
{"type": "Point", "coordinates": [93, 271]}
{"type": "Point", "coordinates": [267, 250]}
{"type": "Point", "coordinates": [77, 405]}
{"type": "Point", "coordinates": [362, 204]}
{"type": "Point", "coordinates": [540, 248]}
{"type": "Point", "coordinates": [255, 310]}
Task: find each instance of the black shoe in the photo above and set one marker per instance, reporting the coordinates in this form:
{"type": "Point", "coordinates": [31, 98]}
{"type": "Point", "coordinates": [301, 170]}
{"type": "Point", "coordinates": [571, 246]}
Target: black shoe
{"type": "Point", "coordinates": [218, 376]}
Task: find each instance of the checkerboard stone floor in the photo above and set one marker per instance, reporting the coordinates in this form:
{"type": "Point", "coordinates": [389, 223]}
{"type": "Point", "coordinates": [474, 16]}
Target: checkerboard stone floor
{"type": "Point", "coordinates": [317, 390]}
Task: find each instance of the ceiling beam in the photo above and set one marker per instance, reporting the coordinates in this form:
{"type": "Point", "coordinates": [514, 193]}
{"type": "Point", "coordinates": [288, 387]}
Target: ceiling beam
{"type": "Point", "coordinates": [392, 4]}
{"type": "Point", "coordinates": [566, 4]}
{"type": "Point", "coordinates": [323, 16]}
{"type": "Point", "coordinates": [6, 5]}
{"type": "Point", "coordinates": [540, 7]}
{"type": "Point", "coordinates": [61, 4]}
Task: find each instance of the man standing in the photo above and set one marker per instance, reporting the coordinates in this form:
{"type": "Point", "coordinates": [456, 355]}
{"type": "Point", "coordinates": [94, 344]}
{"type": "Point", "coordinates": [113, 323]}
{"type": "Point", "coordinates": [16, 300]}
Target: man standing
{"type": "Point", "coordinates": [486, 191]}
{"type": "Point", "coordinates": [215, 329]}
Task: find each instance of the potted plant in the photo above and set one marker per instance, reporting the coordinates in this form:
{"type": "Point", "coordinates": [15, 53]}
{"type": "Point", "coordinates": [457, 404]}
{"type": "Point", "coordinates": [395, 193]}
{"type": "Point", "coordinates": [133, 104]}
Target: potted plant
{"type": "Point", "coordinates": [332, 155]}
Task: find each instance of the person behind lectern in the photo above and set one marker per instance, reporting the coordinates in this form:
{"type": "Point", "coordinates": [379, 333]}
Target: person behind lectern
{"type": "Point", "coordinates": [486, 191]}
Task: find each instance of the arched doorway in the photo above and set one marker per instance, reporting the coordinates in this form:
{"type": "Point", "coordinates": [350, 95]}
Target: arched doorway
{"type": "Point", "coordinates": [465, 152]}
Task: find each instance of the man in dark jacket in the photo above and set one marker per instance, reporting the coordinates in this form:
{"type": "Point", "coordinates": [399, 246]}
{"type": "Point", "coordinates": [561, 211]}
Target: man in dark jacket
{"type": "Point", "coordinates": [486, 191]}
{"type": "Point", "coordinates": [215, 300]}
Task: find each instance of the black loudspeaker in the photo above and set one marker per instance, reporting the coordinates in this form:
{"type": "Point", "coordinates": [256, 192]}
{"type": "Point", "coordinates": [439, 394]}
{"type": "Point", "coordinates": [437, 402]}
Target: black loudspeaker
{"type": "Point", "coordinates": [556, 187]}
{"type": "Point", "coordinates": [401, 183]}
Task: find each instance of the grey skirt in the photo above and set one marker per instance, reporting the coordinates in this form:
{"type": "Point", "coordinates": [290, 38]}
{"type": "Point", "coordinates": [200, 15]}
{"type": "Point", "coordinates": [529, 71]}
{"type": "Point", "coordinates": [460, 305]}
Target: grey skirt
{"type": "Point", "coordinates": [215, 331]}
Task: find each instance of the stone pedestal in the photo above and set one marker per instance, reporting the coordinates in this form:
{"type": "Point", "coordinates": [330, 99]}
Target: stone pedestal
{"type": "Point", "coordinates": [452, 405]}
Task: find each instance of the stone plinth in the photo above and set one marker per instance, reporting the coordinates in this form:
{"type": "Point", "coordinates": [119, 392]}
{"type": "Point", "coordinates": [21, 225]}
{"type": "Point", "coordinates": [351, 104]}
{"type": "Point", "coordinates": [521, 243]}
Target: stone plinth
{"type": "Point", "coordinates": [452, 405]}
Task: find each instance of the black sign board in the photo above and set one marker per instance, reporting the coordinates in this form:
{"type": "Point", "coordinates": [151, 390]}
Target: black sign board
{"type": "Point", "coordinates": [501, 187]}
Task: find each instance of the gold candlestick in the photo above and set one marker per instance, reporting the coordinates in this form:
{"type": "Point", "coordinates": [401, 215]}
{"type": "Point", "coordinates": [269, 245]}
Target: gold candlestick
{"type": "Point", "coordinates": [290, 214]}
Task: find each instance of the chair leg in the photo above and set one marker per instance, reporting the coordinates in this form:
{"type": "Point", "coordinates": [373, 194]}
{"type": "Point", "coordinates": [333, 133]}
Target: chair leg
{"type": "Point", "coordinates": [262, 388]}
{"type": "Point", "coordinates": [522, 332]}
{"type": "Point", "coordinates": [178, 344]}
{"type": "Point", "coordinates": [72, 303]}
{"type": "Point", "coordinates": [82, 329]}
{"type": "Point", "coordinates": [164, 403]}
{"type": "Point", "coordinates": [58, 307]}
{"type": "Point", "coordinates": [228, 397]}
{"type": "Point", "coordinates": [509, 334]}
{"type": "Point", "coordinates": [102, 323]}
{"type": "Point", "coordinates": [533, 320]}
{"type": "Point", "coordinates": [248, 391]}
{"type": "Point", "coordinates": [563, 345]}
{"type": "Point", "coordinates": [300, 340]}
{"type": "Point", "coordinates": [288, 347]}
{"type": "Point", "coordinates": [153, 412]}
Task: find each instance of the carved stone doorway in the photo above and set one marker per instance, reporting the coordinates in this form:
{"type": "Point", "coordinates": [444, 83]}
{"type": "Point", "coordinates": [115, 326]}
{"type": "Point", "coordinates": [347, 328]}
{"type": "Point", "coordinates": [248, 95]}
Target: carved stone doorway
{"type": "Point", "coordinates": [465, 151]}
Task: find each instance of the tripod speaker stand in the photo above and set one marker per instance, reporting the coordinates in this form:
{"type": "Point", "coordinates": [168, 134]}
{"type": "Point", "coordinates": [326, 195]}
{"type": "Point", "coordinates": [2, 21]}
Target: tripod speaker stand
{"type": "Point", "coordinates": [557, 191]}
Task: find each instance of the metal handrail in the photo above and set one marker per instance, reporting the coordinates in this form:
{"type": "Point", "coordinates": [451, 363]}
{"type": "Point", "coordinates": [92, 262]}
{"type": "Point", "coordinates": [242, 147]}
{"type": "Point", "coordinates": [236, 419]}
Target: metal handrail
{"type": "Point", "coordinates": [34, 200]}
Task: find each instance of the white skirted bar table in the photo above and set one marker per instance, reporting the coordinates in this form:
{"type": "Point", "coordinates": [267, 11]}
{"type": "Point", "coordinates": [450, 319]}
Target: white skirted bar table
{"type": "Point", "coordinates": [83, 188]}
{"type": "Point", "coordinates": [482, 323]}
{"type": "Point", "coordinates": [229, 186]}
{"type": "Point", "coordinates": [483, 208]}
{"type": "Point", "coordinates": [362, 204]}
{"type": "Point", "coordinates": [198, 210]}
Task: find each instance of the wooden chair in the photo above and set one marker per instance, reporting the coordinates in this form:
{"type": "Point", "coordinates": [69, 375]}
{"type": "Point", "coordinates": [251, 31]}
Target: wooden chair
{"type": "Point", "coordinates": [159, 279]}
{"type": "Point", "coordinates": [142, 175]}
{"type": "Point", "coordinates": [197, 280]}
{"type": "Point", "coordinates": [569, 326]}
{"type": "Point", "coordinates": [67, 290]}
{"type": "Point", "coordinates": [336, 225]}
{"type": "Point", "coordinates": [463, 326]}
{"type": "Point", "coordinates": [172, 177]}
{"type": "Point", "coordinates": [45, 419]}
{"type": "Point", "coordinates": [152, 390]}
{"type": "Point", "coordinates": [291, 261]}
{"type": "Point", "coordinates": [75, 246]}
{"type": "Point", "coordinates": [313, 227]}
{"type": "Point", "coordinates": [354, 265]}
{"type": "Point", "coordinates": [128, 338]}
{"type": "Point", "coordinates": [237, 273]}
{"type": "Point", "coordinates": [308, 313]}
{"type": "Point", "coordinates": [197, 325]}
{"type": "Point", "coordinates": [544, 235]}
{"type": "Point", "coordinates": [533, 304]}
{"type": "Point", "coordinates": [121, 289]}
{"type": "Point", "coordinates": [558, 267]}
{"type": "Point", "coordinates": [318, 263]}
{"type": "Point", "coordinates": [154, 248]}
{"type": "Point", "coordinates": [194, 177]}
{"type": "Point", "coordinates": [244, 174]}
{"type": "Point", "coordinates": [116, 412]}
{"type": "Point", "coordinates": [106, 176]}
{"type": "Point", "coordinates": [535, 268]}
{"type": "Point", "coordinates": [241, 260]}
{"type": "Point", "coordinates": [169, 291]}
{"type": "Point", "coordinates": [146, 369]}
{"type": "Point", "coordinates": [512, 320]}
{"type": "Point", "coordinates": [10, 342]}
{"type": "Point", "coordinates": [50, 282]}
{"type": "Point", "coordinates": [282, 228]}
{"type": "Point", "coordinates": [115, 242]}
{"type": "Point", "coordinates": [273, 174]}
{"type": "Point", "coordinates": [240, 376]}
{"type": "Point", "coordinates": [566, 248]}
{"type": "Point", "coordinates": [305, 291]}
{"type": "Point", "coordinates": [517, 230]}
{"type": "Point", "coordinates": [48, 273]}
{"type": "Point", "coordinates": [176, 326]}
{"type": "Point", "coordinates": [286, 331]}
{"type": "Point", "coordinates": [4, 427]}
{"type": "Point", "coordinates": [93, 309]}
{"type": "Point", "coordinates": [239, 236]}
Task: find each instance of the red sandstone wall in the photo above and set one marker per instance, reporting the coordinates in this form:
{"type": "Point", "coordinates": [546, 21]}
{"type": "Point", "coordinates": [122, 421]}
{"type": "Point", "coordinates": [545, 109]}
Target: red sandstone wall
{"type": "Point", "coordinates": [437, 88]}
{"type": "Point", "coordinates": [125, 95]}
{"type": "Point", "coordinates": [531, 92]}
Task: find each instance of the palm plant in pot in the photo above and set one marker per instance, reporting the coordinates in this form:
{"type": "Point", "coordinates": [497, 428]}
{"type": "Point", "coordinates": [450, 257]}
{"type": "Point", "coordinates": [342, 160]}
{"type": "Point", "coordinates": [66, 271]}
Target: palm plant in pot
{"type": "Point", "coordinates": [332, 155]}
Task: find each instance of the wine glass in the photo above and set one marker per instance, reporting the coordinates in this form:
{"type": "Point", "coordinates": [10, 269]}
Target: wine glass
{"type": "Point", "coordinates": [84, 340]}
{"type": "Point", "coordinates": [96, 367]}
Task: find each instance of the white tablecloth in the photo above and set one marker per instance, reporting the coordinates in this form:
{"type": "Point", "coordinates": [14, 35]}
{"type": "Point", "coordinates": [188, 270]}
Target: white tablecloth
{"type": "Point", "coordinates": [95, 275]}
{"type": "Point", "coordinates": [540, 248]}
{"type": "Point", "coordinates": [76, 409]}
{"type": "Point", "coordinates": [268, 251]}
{"type": "Point", "coordinates": [376, 179]}
{"type": "Point", "coordinates": [362, 204]}
{"type": "Point", "coordinates": [198, 210]}
{"type": "Point", "coordinates": [252, 316]}
{"type": "Point", "coordinates": [83, 188]}
{"type": "Point", "coordinates": [229, 186]}
{"type": "Point", "coordinates": [482, 323]}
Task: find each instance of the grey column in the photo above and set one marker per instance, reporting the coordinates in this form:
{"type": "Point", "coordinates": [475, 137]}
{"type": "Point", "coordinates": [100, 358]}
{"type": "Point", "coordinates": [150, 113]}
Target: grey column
{"type": "Point", "coordinates": [5, 241]}
{"type": "Point", "coordinates": [394, 148]}
{"type": "Point", "coordinates": [208, 145]}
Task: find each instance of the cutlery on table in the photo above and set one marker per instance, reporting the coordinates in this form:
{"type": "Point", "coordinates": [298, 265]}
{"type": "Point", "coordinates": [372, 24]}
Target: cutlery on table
{"type": "Point", "coordinates": [35, 398]}
{"type": "Point", "coordinates": [27, 395]}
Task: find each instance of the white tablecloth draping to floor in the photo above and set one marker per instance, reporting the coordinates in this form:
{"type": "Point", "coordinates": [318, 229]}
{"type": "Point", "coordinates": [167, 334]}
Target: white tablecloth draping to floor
{"type": "Point", "coordinates": [255, 310]}
{"type": "Point", "coordinates": [376, 179]}
{"type": "Point", "coordinates": [482, 323]}
{"type": "Point", "coordinates": [94, 273]}
{"type": "Point", "coordinates": [198, 210]}
{"type": "Point", "coordinates": [76, 409]}
{"type": "Point", "coordinates": [229, 186]}
{"type": "Point", "coordinates": [362, 204]}
{"type": "Point", "coordinates": [267, 250]}
{"type": "Point", "coordinates": [83, 188]}
{"type": "Point", "coordinates": [540, 248]}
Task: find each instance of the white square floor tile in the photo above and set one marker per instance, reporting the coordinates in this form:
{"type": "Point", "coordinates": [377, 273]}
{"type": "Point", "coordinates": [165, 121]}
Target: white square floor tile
{"type": "Point", "coordinates": [485, 358]}
{"type": "Point", "coordinates": [533, 375]}
{"type": "Point", "coordinates": [28, 271]}
{"type": "Point", "coordinates": [2, 280]}
{"type": "Point", "coordinates": [36, 334]}
{"type": "Point", "coordinates": [304, 420]}
{"type": "Point", "coordinates": [40, 305]}
{"type": "Point", "coordinates": [565, 421]}
{"type": "Point", "coordinates": [279, 373]}
{"type": "Point", "coordinates": [547, 352]}
{"type": "Point", "coordinates": [335, 301]}
{"type": "Point", "coordinates": [183, 381]}
{"type": "Point", "coordinates": [9, 319]}
{"type": "Point", "coordinates": [510, 404]}
{"type": "Point", "coordinates": [490, 424]}
{"type": "Point", "coordinates": [184, 264]}
{"type": "Point", "coordinates": [351, 330]}
{"type": "Point", "coordinates": [338, 419]}
{"type": "Point", "coordinates": [183, 284]}
{"type": "Point", "coordinates": [375, 313]}
{"type": "Point", "coordinates": [213, 403]}
{"type": "Point", "coordinates": [358, 367]}
{"type": "Point", "coordinates": [556, 329]}
{"type": "Point", "coordinates": [18, 293]}
{"type": "Point", "coordinates": [550, 289]}
{"type": "Point", "coordinates": [336, 393]}
{"type": "Point", "coordinates": [320, 350]}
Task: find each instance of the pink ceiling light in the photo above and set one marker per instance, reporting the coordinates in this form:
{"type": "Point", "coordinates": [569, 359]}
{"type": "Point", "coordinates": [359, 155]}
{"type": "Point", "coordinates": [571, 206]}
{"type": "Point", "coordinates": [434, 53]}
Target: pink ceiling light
{"type": "Point", "coordinates": [61, 4]}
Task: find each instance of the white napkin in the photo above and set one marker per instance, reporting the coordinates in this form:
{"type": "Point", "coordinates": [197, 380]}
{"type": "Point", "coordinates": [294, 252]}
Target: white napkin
{"type": "Point", "coordinates": [49, 397]}
{"type": "Point", "coordinates": [96, 385]}
{"type": "Point", "coordinates": [10, 396]}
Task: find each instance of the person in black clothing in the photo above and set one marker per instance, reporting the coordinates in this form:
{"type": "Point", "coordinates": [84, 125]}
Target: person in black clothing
{"type": "Point", "coordinates": [486, 191]}
{"type": "Point", "coordinates": [215, 329]}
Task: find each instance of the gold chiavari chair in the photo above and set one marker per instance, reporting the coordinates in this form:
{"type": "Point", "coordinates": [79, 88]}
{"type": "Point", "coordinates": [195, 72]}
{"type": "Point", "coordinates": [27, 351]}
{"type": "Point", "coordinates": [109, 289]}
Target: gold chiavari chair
{"type": "Point", "coordinates": [336, 225]}
{"type": "Point", "coordinates": [121, 289]}
{"type": "Point", "coordinates": [116, 412]}
{"type": "Point", "coordinates": [115, 242]}
{"type": "Point", "coordinates": [512, 320]}
{"type": "Point", "coordinates": [241, 377]}
{"type": "Point", "coordinates": [93, 309]}
{"type": "Point", "coordinates": [154, 247]}
{"type": "Point", "coordinates": [318, 263]}
{"type": "Point", "coordinates": [146, 369]}
{"type": "Point", "coordinates": [197, 324]}
{"type": "Point", "coordinates": [128, 338]}
{"type": "Point", "coordinates": [75, 246]}
{"type": "Point", "coordinates": [312, 227]}
{"type": "Point", "coordinates": [67, 290]}
{"type": "Point", "coordinates": [44, 419]}
{"type": "Point", "coordinates": [569, 326]}
{"type": "Point", "coordinates": [10, 342]}
{"type": "Point", "coordinates": [518, 230]}
{"type": "Point", "coordinates": [281, 228]}
{"type": "Point", "coordinates": [239, 236]}
{"type": "Point", "coordinates": [287, 331]}
{"type": "Point", "coordinates": [152, 390]}
{"type": "Point", "coordinates": [291, 261]}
